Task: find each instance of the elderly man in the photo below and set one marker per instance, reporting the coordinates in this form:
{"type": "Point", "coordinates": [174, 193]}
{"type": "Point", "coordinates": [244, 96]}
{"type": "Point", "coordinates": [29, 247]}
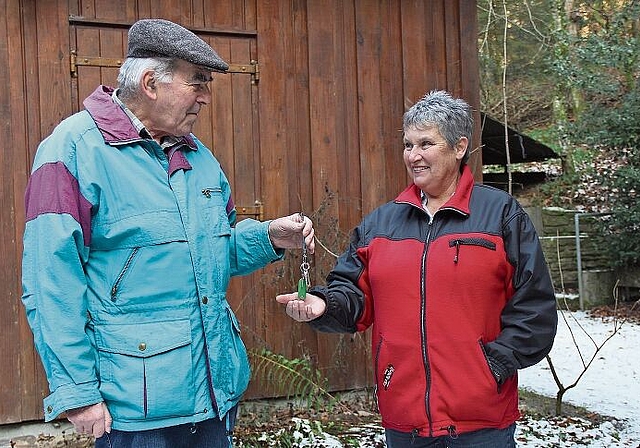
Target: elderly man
{"type": "Point", "coordinates": [129, 245]}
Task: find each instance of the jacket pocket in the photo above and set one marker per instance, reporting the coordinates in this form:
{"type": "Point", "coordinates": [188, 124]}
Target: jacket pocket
{"type": "Point", "coordinates": [471, 241]}
{"type": "Point", "coordinates": [146, 369]}
{"type": "Point", "coordinates": [238, 360]}
{"type": "Point", "coordinates": [493, 367]}
{"type": "Point", "coordinates": [214, 211]}
{"type": "Point", "coordinates": [123, 273]}
{"type": "Point", "coordinates": [401, 388]}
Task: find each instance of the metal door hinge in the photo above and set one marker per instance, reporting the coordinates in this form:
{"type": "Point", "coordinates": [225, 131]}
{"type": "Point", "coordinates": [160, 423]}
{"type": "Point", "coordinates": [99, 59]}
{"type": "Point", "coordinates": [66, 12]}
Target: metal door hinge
{"type": "Point", "coordinates": [251, 68]}
{"type": "Point", "coordinates": [255, 211]}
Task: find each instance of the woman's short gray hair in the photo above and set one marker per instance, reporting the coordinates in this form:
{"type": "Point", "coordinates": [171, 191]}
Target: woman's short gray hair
{"type": "Point", "coordinates": [451, 116]}
{"type": "Point", "coordinates": [132, 70]}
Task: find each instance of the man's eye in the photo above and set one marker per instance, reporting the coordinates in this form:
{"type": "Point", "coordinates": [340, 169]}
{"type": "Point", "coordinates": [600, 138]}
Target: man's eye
{"type": "Point", "coordinates": [199, 86]}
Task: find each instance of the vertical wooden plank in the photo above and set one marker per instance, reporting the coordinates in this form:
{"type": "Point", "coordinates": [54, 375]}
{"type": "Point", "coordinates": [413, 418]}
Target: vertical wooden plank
{"type": "Point", "coordinates": [199, 17]}
{"type": "Point", "coordinates": [273, 136]}
{"type": "Point", "coordinates": [11, 159]}
{"type": "Point", "coordinates": [144, 8]}
{"type": "Point", "coordinates": [40, 99]}
{"type": "Point", "coordinates": [249, 15]}
{"type": "Point", "coordinates": [245, 160]}
{"type": "Point", "coordinates": [452, 47]}
{"type": "Point", "coordinates": [423, 48]}
{"type": "Point", "coordinates": [369, 29]}
{"type": "Point", "coordinates": [53, 62]}
{"type": "Point", "coordinates": [176, 11]}
{"type": "Point", "coordinates": [327, 142]}
{"type": "Point", "coordinates": [30, 376]}
{"type": "Point", "coordinates": [349, 193]}
{"type": "Point", "coordinates": [392, 104]}
{"type": "Point", "coordinates": [417, 65]}
{"type": "Point", "coordinates": [219, 14]}
{"type": "Point", "coordinates": [470, 78]}
{"type": "Point", "coordinates": [113, 41]}
{"type": "Point", "coordinates": [87, 8]}
{"type": "Point", "coordinates": [249, 299]}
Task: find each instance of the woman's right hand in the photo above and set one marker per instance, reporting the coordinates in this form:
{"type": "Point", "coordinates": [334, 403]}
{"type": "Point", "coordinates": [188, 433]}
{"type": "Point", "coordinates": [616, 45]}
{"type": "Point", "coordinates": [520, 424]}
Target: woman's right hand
{"type": "Point", "coordinates": [305, 310]}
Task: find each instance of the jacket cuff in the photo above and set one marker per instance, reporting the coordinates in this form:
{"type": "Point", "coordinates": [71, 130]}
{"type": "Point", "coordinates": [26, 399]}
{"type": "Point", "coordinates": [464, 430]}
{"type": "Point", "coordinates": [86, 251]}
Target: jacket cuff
{"type": "Point", "coordinates": [70, 396]}
{"type": "Point", "coordinates": [328, 323]}
{"type": "Point", "coordinates": [500, 372]}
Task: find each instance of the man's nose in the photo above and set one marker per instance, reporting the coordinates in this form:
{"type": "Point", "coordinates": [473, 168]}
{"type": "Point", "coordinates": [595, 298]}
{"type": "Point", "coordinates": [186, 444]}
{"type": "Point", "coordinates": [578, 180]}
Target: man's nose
{"type": "Point", "coordinates": [205, 97]}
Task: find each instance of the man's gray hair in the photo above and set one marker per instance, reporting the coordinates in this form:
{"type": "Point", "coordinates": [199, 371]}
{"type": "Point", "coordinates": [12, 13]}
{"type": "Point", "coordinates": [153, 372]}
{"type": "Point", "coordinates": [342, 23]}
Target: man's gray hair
{"type": "Point", "coordinates": [132, 70]}
{"type": "Point", "coordinates": [452, 117]}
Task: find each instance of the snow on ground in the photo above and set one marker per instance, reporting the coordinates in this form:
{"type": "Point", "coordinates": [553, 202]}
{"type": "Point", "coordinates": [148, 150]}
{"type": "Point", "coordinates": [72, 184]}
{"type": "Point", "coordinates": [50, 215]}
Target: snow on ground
{"type": "Point", "coordinates": [610, 386]}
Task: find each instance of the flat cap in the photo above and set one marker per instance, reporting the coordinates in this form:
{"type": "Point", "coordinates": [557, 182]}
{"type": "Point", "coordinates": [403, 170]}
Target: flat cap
{"type": "Point", "coordinates": [161, 38]}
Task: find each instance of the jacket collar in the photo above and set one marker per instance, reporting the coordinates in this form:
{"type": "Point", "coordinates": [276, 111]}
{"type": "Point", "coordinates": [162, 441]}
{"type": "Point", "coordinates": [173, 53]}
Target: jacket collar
{"type": "Point", "coordinates": [458, 202]}
{"type": "Point", "coordinates": [114, 124]}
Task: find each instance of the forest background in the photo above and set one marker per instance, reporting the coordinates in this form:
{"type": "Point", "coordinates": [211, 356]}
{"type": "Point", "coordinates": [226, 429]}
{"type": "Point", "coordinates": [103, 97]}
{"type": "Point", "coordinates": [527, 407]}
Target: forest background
{"type": "Point", "coordinates": [567, 73]}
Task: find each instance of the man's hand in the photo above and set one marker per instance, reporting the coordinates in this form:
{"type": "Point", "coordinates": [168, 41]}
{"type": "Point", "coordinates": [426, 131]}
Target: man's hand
{"type": "Point", "coordinates": [305, 310]}
{"type": "Point", "coordinates": [94, 419]}
{"type": "Point", "coordinates": [288, 232]}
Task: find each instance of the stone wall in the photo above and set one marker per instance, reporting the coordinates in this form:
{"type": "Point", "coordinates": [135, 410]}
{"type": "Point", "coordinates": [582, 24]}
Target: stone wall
{"type": "Point", "coordinates": [556, 228]}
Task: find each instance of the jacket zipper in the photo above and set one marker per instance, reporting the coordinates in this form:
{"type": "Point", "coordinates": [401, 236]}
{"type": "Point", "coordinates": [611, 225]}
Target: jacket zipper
{"type": "Point", "coordinates": [377, 371]}
{"type": "Point", "coordinates": [486, 358]}
{"type": "Point", "coordinates": [423, 329]}
{"type": "Point", "coordinates": [453, 433]}
{"type": "Point", "coordinates": [125, 268]}
{"type": "Point", "coordinates": [481, 242]}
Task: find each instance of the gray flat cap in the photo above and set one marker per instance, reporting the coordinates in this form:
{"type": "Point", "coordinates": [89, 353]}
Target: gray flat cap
{"type": "Point", "coordinates": [161, 38]}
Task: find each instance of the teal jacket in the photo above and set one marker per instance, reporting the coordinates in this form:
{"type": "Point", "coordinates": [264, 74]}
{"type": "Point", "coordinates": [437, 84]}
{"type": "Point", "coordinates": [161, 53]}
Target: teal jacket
{"type": "Point", "coordinates": [127, 258]}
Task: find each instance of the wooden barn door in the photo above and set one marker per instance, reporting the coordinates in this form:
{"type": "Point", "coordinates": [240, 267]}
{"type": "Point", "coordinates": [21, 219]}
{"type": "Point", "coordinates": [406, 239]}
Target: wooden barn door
{"type": "Point", "coordinates": [228, 126]}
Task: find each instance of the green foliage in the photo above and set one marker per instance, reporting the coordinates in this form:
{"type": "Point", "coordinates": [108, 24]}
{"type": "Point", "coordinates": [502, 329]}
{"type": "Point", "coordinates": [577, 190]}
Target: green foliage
{"type": "Point", "coordinates": [600, 60]}
{"type": "Point", "coordinates": [573, 81]}
{"type": "Point", "coordinates": [623, 227]}
{"type": "Point", "coordinates": [293, 378]}
{"type": "Point", "coordinates": [604, 65]}
{"type": "Point", "coordinates": [548, 135]}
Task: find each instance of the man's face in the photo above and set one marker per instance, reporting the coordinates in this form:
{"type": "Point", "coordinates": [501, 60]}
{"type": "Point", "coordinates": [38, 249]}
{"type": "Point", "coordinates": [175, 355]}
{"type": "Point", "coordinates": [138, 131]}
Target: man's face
{"type": "Point", "coordinates": [178, 103]}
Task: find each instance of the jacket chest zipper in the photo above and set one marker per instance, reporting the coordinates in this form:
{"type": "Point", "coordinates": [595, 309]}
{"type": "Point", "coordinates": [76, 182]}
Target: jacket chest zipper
{"type": "Point", "coordinates": [479, 242]}
{"type": "Point", "coordinates": [125, 268]}
{"type": "Point", "coordinates": [423, 324]}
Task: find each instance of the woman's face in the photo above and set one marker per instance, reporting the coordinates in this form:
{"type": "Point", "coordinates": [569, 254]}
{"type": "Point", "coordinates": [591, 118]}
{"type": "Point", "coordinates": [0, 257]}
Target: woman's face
{"type": "Point", "coordinates": [431, 162]}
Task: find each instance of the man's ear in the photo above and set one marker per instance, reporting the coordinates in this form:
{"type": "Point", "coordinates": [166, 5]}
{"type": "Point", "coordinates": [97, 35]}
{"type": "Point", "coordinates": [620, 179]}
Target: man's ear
{"type": "Point", "coordinates": [149, 84]}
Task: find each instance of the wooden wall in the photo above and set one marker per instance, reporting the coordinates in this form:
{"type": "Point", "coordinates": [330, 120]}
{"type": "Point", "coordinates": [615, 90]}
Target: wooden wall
{"type": "Point", "coordinates": [318, 130]}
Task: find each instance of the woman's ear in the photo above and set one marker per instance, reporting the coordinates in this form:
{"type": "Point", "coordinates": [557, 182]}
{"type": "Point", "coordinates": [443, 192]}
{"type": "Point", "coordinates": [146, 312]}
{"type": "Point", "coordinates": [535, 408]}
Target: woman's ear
{"type": "Point", "coordinates": [461, 147]}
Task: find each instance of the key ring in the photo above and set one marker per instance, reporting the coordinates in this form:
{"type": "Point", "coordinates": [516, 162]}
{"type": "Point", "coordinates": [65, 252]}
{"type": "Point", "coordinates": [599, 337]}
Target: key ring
{"type": "Point", "coordinates": [303, 283]}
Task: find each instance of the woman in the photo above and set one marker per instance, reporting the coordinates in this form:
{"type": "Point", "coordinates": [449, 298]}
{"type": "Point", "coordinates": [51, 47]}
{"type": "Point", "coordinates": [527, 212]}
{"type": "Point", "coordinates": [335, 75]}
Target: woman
{"type": "Point", "coordinates": [453, 280]}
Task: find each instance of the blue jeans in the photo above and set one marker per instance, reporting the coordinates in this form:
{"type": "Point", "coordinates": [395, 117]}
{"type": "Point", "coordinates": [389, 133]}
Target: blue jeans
{"type": "Point", "coordinates": [483, 438]}
{"type": "Point", "coordinates": [211, 433]}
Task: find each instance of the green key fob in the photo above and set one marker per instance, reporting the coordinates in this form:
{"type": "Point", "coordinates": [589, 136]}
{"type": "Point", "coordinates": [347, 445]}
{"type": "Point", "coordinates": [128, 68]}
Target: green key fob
{"type": "Point", "coordinates": [302, 289]}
